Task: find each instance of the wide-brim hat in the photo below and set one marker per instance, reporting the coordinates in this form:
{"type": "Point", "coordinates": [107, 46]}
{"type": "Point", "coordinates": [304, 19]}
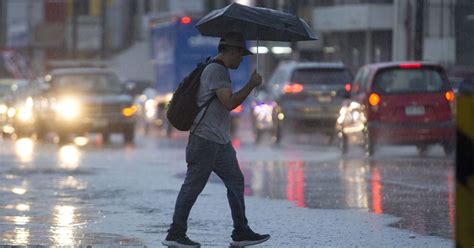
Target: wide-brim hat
{"type": "Point", "coordinates": [236, 40]}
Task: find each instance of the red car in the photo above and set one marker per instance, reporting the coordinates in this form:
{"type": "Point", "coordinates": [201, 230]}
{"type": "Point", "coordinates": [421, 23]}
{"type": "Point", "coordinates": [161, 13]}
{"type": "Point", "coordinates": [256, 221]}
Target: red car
{"type": "Point", "coordinates": [406, 103]}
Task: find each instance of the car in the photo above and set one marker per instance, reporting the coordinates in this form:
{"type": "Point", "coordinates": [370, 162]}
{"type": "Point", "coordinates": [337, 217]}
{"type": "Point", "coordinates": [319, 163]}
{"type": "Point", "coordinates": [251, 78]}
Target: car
{"type": "Point", "coordinates": [86, 100]}
{"type": "Point", "coordinates": [305, 96]}
{"type": "Point", "coordinates": [460, 74]}
{"type": "Point", "coordinates": [17, 114]}
{"type": "Point", "coordinates": [398, 103]}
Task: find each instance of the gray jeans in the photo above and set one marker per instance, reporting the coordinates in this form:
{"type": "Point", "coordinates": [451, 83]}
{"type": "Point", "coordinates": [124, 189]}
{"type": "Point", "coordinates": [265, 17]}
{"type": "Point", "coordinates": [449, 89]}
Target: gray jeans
{"type": "Point", "coordinates": [203, 157]}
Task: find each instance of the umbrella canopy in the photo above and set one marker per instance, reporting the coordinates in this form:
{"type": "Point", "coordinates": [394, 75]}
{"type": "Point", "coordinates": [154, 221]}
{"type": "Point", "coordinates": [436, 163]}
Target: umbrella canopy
{"type": "Point", "coordinates": [255, 24]}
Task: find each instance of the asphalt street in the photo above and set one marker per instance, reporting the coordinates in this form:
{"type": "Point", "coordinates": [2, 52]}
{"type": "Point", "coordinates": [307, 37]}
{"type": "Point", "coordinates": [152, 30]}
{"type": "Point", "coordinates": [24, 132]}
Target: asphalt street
{"type": "Point", "coordinates": [90, 193]}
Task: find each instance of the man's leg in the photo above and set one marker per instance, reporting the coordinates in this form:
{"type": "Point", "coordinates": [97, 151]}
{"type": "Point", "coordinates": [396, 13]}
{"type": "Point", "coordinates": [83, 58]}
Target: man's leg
{"type": "Point", "coordinates": [200, 155]}
{"type": "Point", "coordinates": [227, 168]}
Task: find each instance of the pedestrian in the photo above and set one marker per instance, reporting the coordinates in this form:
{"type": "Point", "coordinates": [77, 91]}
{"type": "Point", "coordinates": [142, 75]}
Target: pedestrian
{"type": "Point", "coordinates": [209, 147]}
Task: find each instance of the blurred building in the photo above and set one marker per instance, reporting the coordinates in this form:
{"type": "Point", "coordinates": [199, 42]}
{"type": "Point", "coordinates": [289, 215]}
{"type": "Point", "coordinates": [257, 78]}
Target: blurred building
{"type": "Point", "coordinates": [353, 31]}
{"type": "Point", "coordinates": [367, 31]}
{"type": "Point", "coordinates": [68, 29]}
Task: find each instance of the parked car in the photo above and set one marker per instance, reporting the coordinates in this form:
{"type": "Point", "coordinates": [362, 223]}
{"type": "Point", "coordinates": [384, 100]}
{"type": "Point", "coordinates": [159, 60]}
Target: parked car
{"type": "Point", "coordinates": [82, 100]}
{"type": "Point", "coordinates": [405, 103]}
{"type": "Point", "coordinates": [305, 96]}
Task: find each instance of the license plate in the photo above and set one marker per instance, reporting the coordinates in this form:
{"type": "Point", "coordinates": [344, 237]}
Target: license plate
{"type": "Point", "coordinates": [311, 109]}
{"type": "Point", "coordinates": [414, 110]}
{"type": "Point", "coordinates": [324, 98]}
{"type": "Point", "coordinates": [100, 123]}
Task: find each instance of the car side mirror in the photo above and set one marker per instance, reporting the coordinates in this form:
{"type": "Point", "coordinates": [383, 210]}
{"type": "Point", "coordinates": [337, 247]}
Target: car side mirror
{"type": "Point", "coordinates": [344, 93]}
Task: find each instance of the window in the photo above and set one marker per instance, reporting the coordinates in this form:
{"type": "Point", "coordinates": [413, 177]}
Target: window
{"type": "Point", "coordinates": [93, 83]}
{"type": "Point", "coordinates": [360, 81]}
{"type": "Point", "coordinates": [409, 81]}
{"type": "Point", "coordinates": [326, 76]}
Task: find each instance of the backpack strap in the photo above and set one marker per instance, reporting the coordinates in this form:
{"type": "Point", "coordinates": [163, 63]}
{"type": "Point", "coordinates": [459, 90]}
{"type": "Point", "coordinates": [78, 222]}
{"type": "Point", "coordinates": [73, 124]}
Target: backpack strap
{"type": "Point", "coordinates": [208, 102]}
{"type": "Point", "coordinates": [205, 105]}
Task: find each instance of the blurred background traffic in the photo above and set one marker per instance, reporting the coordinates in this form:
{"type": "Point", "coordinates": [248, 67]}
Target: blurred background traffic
{"type": "Point", "coordinates": [69, 68]}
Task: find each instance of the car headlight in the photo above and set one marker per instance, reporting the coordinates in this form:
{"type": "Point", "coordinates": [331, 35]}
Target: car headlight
{"type": "Point", "coordinates": [24, 114]}
{"type": "Point", "coordinates": [129, 111]}
{"type": "Point", "coordinates": [264, 112]}
{"type": "Point", "coordinates": [3, 109]}
{"type": "Point", "coordinates": [67, 108]}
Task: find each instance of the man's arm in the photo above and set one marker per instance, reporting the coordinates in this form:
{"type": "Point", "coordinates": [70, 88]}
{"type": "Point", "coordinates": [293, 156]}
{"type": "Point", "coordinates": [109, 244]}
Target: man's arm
{"type": "Point", "coordinates": [232, 101]}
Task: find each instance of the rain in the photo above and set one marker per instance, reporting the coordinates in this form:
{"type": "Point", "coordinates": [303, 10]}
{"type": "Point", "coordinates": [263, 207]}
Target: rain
{"type": "Point", "coordinates": [360, 134]}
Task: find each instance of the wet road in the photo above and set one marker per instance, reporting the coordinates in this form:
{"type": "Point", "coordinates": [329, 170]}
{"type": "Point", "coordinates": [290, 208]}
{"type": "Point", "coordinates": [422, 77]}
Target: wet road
{"type": "Point", "coordinates": [59, 195]}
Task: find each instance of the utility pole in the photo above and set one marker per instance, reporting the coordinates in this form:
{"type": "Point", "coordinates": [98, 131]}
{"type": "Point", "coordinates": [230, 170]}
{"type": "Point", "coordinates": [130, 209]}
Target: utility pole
{"type": "Point", "coordinates": [3, 23]}
{"type": "Point", "coordinates": [74, 28]}
{"type": "Point", "coordinates": [293, 8]}
{"type": "Point", "coordinates": [418, 29]}
{"type": "Point", "coordinates": [103, 29]}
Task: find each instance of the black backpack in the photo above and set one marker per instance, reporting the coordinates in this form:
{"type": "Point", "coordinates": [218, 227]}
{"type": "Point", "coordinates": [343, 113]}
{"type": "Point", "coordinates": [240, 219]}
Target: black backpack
{"type": "Point", "coordinates": [183, 108]}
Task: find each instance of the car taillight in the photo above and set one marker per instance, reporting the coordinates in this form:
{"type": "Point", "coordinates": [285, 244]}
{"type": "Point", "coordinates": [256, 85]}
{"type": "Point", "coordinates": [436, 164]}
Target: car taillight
{"type": "Point", "coordinates": [238, 109]}
{"type": "Point", "coordinates": [293, 88]}
{"type": "Point", "coordinates": [185, 20]}
{"type": "Point", "coordinates": [449, 95]}
{"type": "Point", "coordinates": [410, 66]}
{"type": "Point", "coordinates": [348, 87]}
{"type": "Point", "coordinates": [374, 99]}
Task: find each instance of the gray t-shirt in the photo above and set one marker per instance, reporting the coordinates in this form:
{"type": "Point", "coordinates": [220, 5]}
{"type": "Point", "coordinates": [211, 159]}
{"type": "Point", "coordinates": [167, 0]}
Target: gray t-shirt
{"type": "Point", "coordinates": [215, 126]}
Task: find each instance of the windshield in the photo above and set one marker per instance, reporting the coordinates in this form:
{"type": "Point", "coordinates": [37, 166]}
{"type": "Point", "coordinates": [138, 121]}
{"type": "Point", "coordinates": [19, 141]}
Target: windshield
{"type": "Point", "coordinates": [409, 81]}
{"type": "Point", "coordinates": [322, 76]}
{"type": "Point", "coordinates": [5, 89]}
{"type": "Point", "coordinates": [4, 73]}
{"type": "Point", "coordinates": [89, 83]}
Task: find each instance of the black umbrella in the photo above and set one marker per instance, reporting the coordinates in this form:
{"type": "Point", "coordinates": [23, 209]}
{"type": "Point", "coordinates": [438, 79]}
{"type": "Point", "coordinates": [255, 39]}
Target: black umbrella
{"type": "Point", "coordinates": [255, 24]}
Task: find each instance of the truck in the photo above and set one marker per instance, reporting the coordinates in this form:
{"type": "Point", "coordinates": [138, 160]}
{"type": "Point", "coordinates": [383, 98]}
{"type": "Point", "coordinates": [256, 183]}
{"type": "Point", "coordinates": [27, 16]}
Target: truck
{"type": "Point", "coordinates": [176, 48]}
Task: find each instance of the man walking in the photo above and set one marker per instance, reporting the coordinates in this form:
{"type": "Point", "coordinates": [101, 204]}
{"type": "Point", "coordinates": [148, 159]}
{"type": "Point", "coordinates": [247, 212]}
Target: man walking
{"type": "Point", "coordinates": [210, 149]}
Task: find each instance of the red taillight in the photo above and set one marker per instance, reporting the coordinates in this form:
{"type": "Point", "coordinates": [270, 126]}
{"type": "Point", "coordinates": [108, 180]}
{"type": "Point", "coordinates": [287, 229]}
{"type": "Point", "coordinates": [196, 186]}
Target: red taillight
{"type": "Point", "coordinates": [185, 20]}
{"type": "Point", "coordinates": [449, 95]}
{"type": "Point", "coordinates": [348, 87]}
{"type": "Point", "coordinates": [374, 99]}
{"type": "Point", "coordinates": [410, 66]}
{"type": "Point", "coordinates": [293, 88]}
{"type": "Point", "coordinates": [238, 109]}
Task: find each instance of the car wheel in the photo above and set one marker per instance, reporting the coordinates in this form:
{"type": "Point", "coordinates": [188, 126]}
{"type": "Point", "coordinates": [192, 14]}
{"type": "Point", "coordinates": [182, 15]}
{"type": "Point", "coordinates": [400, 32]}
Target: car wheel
{"type": "Point", "coordinates": [369, 145]}
{"type": "Point", "coordinates": [106, 137]}
{"type": "Point", "coordinates": [234, 125]}
{"type": "Point", "coordinates": [344, 146]}
{"type": "Point", "coordinates": [63, 137]}
{"type": "Point", "coordinates": [169, 129]}
{"type": "Point", "coordinates": [331, 137]}
{"type": "Point", "coordinates": [129, 134]}
{"type": "Point", "coordinates": [422, 149]}
{"type": "Point", "coordinates": [258, 136]}
{"type": "Point", "coordinates": [41, 133]}
{"type": "Point", "coordinates": [277, 134]}
{"type": "Point", "coordinates": [448, 148]}
{"type": "Point", "coordinates": [146, 128]}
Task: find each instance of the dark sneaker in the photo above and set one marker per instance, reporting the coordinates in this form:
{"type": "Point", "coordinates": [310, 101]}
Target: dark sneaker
{"type": "Point", "coordinates": [248, 238]}
{"type": "Point", "coordinates": [180, 241]}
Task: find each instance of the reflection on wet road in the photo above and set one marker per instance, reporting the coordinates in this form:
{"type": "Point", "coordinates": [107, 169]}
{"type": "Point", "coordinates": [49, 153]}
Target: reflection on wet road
{"type": "Point", "coordinates": [55, 195]}
{"type": "Point", "coordinates": [417, 190]}
{"type": "Point", "coordinates": [41, 200]}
